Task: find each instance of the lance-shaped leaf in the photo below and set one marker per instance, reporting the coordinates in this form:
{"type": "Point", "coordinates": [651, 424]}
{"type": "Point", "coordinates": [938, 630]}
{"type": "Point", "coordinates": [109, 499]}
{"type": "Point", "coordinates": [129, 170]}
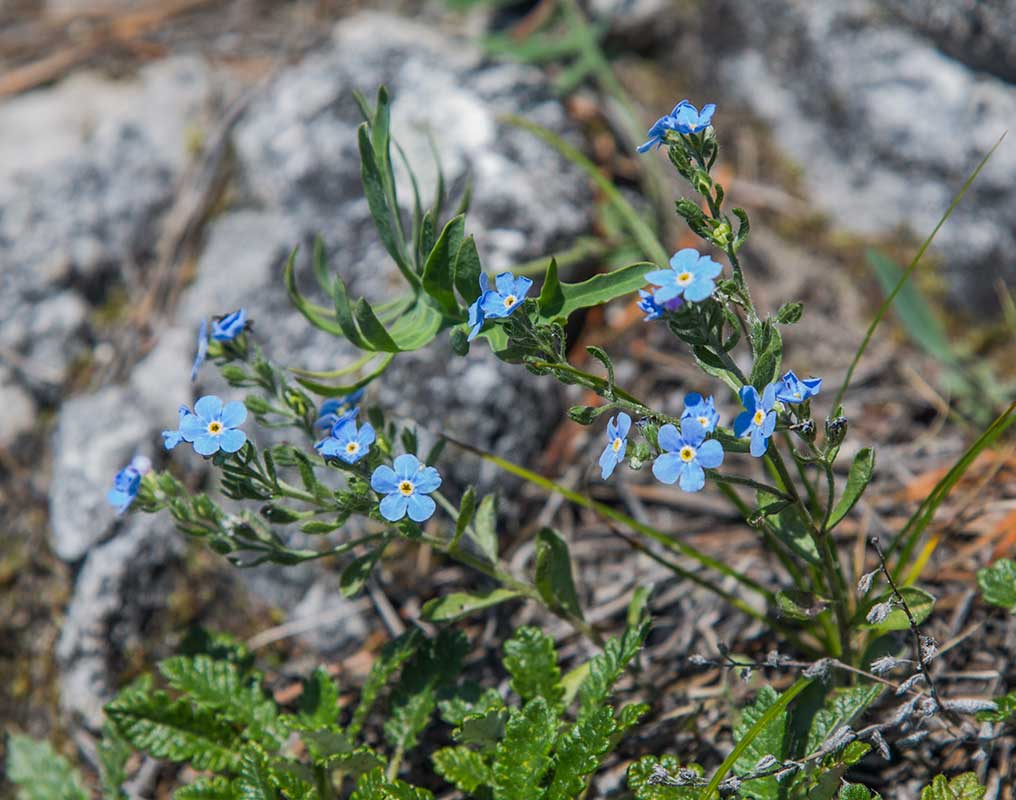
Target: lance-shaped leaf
{"type": "Point", "coordinates": [860, 476]}
{"type": "Point", "coordinates": [561, 299]}
{"type": "Point", "coordinates": [554, 578]}
{"type": "Point", "coordinates": [318, 316]}
{"type": "Point", "coordinates": [456, 605]}
{"type": "Point", "coordinates": [438, 272]}
{"type": "Point", "coordinates": [918, 601]}
{"type": "Point", "coordinates": [378, 202]}
{"type": "Point", "coordinates": [467, 270]}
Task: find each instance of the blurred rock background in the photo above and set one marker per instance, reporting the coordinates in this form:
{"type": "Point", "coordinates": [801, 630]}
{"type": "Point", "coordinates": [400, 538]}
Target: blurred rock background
{"type": "Point", "coordinates": [158, 161]}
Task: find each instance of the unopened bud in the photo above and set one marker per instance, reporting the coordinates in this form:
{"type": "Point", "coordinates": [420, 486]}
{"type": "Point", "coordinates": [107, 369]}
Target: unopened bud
{"type": "Point", "coordinates": [864, 582]}
{"type": "Point", "coordinates": [836, 431]}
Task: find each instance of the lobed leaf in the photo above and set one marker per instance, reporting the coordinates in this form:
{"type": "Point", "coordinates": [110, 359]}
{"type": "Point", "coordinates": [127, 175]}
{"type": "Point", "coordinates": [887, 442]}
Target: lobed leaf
{"type": "Point", "coordinates": [41, 773]}
{"type": "Point", "coordinates": [318, 707]}
{"type": "Point", "coordinates": [998, 584]}
{"type": "Point", "coordinates": [962, 787]}
{"type": "Point", "coordinates": [373, 786]}
{"type": "Point", "coordinates": [393, 656]}
{"type": "Point", "coordinates": [462, 767]}
{"type": "Point", "coordinates": [522, 757]}
{"type": "Point", "coordinates": [578, 753]}
{"type": "Point", "coordinates": [641, 779]}
{"type": "Point", "coordinates": [207, 787]}
{"type": "Point", "coordinates": [530, 658]}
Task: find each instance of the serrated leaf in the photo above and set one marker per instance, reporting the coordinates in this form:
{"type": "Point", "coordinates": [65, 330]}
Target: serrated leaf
{"type": "Point", "coordinates": [962, 787]}
{"type": "Point", "coordinates": [219, 685]}
{"type": "Point", "coordinates": [356, 573]}
{"type": "Point", "coordinates": [861, 471]}
{"type": "Point", "coordinates": [484, 730]}
{"type": "Point", "coordinates": [373, 786]}
{"type": "Point", "coordinates": [484, 530]}
{"type": "Point", "coordinates": [213, 787]}
{"type": "Point", "coordinates": [467, 699]}
{"type": "Point", "coordinates": [606, 668]}
{"type": "Point", "coordinates": [522, 758]}
{"type": "Point", "coordinates": [579, 752]}
{"type": "Point", "coordinates": [1005, 709]}
{"type": "Point", "coordinates": [462, 767]}
{"type": "Point", "coordinates": [318, 706]}
{"type": "Point", "coordinates": [173, 729]}
{"type": "Point", "coordinates": [254, 782]}
{"type": "Point", "coordinates": [531, 659]}
{"type": "Point", "coordinates": [998, 584]}
{"type": "Point", "coordinates": [393, 656]}
{"type": "Point", "coordinates": [438, 272]}
{"type": "Point", "coordinates": [644, 787]}
{"type": "Point", "coordinates": [553, 577]}
{"type": "Point", "coordinates": [920, 603]}
{"type": "Point", "coordinates": [456, 605]}
{"type": "Point", "coordinates": [40, 772]}
{"type": "Point", "coordinates": [854, 791]}
{"type": "Point", "coordinates": [414, 697]}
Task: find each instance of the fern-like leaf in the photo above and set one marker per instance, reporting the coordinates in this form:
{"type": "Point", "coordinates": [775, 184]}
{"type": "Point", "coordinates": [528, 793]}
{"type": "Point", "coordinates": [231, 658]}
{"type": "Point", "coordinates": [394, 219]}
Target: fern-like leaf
{"type": "Point", "coordinates": [373, 786]}
{"type": "Point", "coordinates": [531, 660]}
{"type": "Point", "coordinates": [393, 656]}
{"type": "Point", "coordinates": [644, 787]}
{"type": "Point", "coordinates": [113, 755]}
{"type": "Point", "coordinates": [608, 666]}
{"type": "Point", "coordinates": [579, 752]}
{"type": "Point", "coordinates": [214, 787]}
{"type": "Point", "coordinates": [522, 757]}
{"type": "Point", "coordinates": [319, 703]}
{"type": "Point", "coordinates": [962, 787]}
{"type": "Point", "coordinates": [40, 772]}
{"type": "Point", "coordinates": [254, 781]}
{"type": "Point", "coordinates": [462, 767]}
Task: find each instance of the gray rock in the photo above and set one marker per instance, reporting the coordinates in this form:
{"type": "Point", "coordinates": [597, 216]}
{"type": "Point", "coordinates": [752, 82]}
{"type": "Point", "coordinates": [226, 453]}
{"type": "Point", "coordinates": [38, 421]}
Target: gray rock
{"type": "Point", "coordinates": [327, 621]}
{"type": "Point", "coordinates": [885, 127]}
{"type": "Point", "coordinates": [18, 415]}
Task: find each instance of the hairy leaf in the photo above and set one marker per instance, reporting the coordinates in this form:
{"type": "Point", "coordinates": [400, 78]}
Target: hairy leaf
{"type": "Point", "coordinates": [356, 573]}
{"type": "Point", "coordinates": [918, 601]}
{"type": "Point", "coordinates": [854, 791]}
{"type": "Point", "coordinates": [214, 787]}
{"type": "Point", "coordinates": [40, 772]}
{"type": "Point", "coordinates": [998, 584]}
{"type": "Point", "coordinates": [962, 787]}
{"type": "Point", "coordinates": [373, 786]}
{"type": "Point", "coordinates": [393, 656]}
{"type": "Point", "coordinates": [484, 530]}
{"type": "Point", "coordinates": [319, 703]}
{"type": "Point", "coordinates": [564, 299]}
{"type": "Point", "coordinates": [462, 767]}
{"type": "Point", "coordinates": [531, 660]}
{"type": "Point", "coordinates": [522, 758]}
{"type": "Point", "coordinates": [254, 781]}
{"type": "Point", "coordinates": [607, 667]}
{"type": "Point", "coordinates": [438, 272]}
{"type": "Point", "coordinates": [579, 751]}
{"type": "Point", "coordinates": [841, 708]}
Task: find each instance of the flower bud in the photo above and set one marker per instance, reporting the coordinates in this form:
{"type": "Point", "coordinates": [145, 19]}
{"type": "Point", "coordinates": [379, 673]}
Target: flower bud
{"type": "Point", "coordinates": [721, 234]}
{"type": "Point", "coordinates": [460, 341]}
{"type": "Point", "coordinates": [836, 431]}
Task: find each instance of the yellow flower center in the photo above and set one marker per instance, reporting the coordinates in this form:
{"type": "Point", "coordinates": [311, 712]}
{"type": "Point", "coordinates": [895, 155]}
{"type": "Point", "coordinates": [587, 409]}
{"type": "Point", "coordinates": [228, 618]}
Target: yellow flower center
{"type": "Point", "coordinates": [509, 301]}
{"type": "Point", "coordinates": [759, 417]}
{"type": "Point", "coordinates": [406, 488]}
{"type": "Point", "coordinates": [215, 427]}
{"type": "Point", "coordinates": [797, 395]}
{"type": "Point", "coordinates": [685, 278]}
{"type": "Point", "coordinates": [703, 421]}
{"type": "Point", "coordinates": [617, 444]}
{"type": "Point", "coordinates": [687, 453]}
{"type": "Point", "coordinates": [353, 448]}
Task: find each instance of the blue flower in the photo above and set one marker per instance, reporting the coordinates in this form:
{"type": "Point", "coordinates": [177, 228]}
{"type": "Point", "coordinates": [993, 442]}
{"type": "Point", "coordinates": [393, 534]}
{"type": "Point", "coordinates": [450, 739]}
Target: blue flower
{"type": "Point", "coordinates": [212, 427]}
{"type": "Point", "coordinates": [336, 410]}
{"type": "Point", "coordinates": [684, 118]}
{"type": "Point", "coordinates": [691, 275]}
{"type": "Point", "coordinates": [476, 315]}
{"type": "Point", "coordinates": [793, 390]}
{"type": "Point", "coordinates": [227, 328]}
{"type": "Point", "coordinates": [654, 310]}
{"type": "Point", "coordinates": [405, 488]}
{"type": "Point", "coordinates": [346, 442]}
{"type": "Point", "coordinates": [703, 410]}
{"type": "Point", "coordinates": [508, 294]}
{"type": "Point", "coordinates": [199, 357]}
{"type": "Point", "coordinates": [687, 454]}
{"type": "Point", "coordinates": [758, 419]}
{"type": "Point", "coordinates": [617, 443]}
{"type": "Point", "coordinates": [126, 484]}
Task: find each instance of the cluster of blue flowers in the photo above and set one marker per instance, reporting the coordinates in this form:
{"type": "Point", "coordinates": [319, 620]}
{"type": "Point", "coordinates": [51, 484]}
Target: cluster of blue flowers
{"type": "Point", "coordinates": [684, 119]}
{"type": "Point", "coordinates": [508, 293]}
{"type": "Point", "coordinates": [691, 278]}
{"type": "Point", "coordinates": [687, 452]}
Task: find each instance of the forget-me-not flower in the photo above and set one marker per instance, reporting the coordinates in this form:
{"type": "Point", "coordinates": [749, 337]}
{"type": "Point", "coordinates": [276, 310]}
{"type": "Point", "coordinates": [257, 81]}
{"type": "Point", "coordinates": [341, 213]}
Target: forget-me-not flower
{"type": "Point", "coordinates": [647, 302]}
{"type": "Point", "coordinates": [687, 454]}
{"type": "Point", "coordinates": [758, 420]}
{"type": "Point", "coordinates": [691, 275]}
{"type": "Point", "coordinates": [199, 356]}
{"type": "Point", "coordinates": [792, 389]}
{"type": "Point", "coordinates": [684, 118]}
{"type": "Point", "coordinates": [405, 488]}
{"type": "Point", "coordinates": [508, 294]}
{"type": "Point", "coordinates": [336, 410]}
{"type": "Point", "coordinates": [347, 442]}
{"type": "Point", "coordinates": [617, 444]}
{"type": "Point", "coordinates": [126, 484]}
{"type": "Point", "coordinates": [227, 328]}
{"type": "Point", "coordinates": [476, 315]}
{"type": "Point", "coordinates": [701, 409]}
{"type": "Point", "coordinates": [211, 427]}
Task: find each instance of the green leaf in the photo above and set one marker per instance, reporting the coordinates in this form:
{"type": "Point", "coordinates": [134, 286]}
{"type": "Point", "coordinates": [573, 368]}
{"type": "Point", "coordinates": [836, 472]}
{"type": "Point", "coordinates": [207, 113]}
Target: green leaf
{"type": "Point", "coordinates": [219, 685]}
{"type": "Point", "coordinates": [790, 527]}
{"type": "Point", "coordinates": [467, 271]}
{"type": "Point", "coordinates": [998, 584]}
{"type": "Point", "coordinates": [551, 296]}
{"type": "Point", "coordinates": [841, 708]}
{"type": "Point", "coordinates": [466, 510]}
{"type": "Point", "coordinates": [418, 326]}
{"type": "Point", "coordinates": [854, 791]}
{"type": "Point", "coordinates": [768, 356]}
{"type": "Point", "coordinates": [40, 772]}
{"type": "Point", "coordinates": [355, 575]}
{"type": "Point", "coordinates": [213, 787]}
{"type": "Point", "coordinates": [377, 201]}
{"type": "Point", "coordinates": [316, 315]}
{"type": "Point", "coordinates": [456, 605]}
{"type": "Point", "coordinates": [462, 767]}
{"type": "Point", "coordinates": [113, 755]}
{"type": "Point", "coordinates": [857, 481]}
{"type": "Point", "coordinates": [962, 787]}
{"type": "Point", "coordinates": [644, 787]}
{"type": "Point", "coordinates": [531, 660]}
{"type": "Point", "coordinates": [373, 331]}
{"type": "Point", "coordinates": [438, 272]}
{"type": "Point", "coordinates": [523, 756]}
{"type": "Point", "coordinates": [800, 605]}
{"type": "Point", "coordinates": [579, 752]}
{"type": "Point", "coordinates": [607, 667]}
{"type": "Point", "coordinates": [253, 782]}
{"type": "Point", "coordinates": [319, 702]}
{"type": "Point", "coordinates": [570, 297]}
{"type": "Point", "coordinates": [327, 390]}
{"type": "Point", "coordinates": [920, 603]}
{"type": "Point", "coordinates": [771, 740]}
{"type": "Point", "coordinates": [393, 656]}
{"type": "Point", "coordinates": [554, 578]}
{"type": "Point", "coordinates": [435, 664]}
{"type": "Point", "coordinates": [173, 729]}
{"type": "Point", "coordinates": [373, 786]}
{"type": "Point", "coordinates": [1005, 710]}
{"type": "Point", "coordinates": [484, 530]}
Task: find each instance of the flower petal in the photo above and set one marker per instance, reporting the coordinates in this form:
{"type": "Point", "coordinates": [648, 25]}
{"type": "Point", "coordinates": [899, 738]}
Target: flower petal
{"type": "Point", "coordinates": [710, 454]}
{"type": "Point", "coordinates": [232, 440]}
{"type": "Point", "coordinates": [667, 467]}
{"type": "Point", "coordinates": [699, 289]}
{"type": "Point", "coordinates": [769, 397]}
{"type": "Point", "coordinates": [365, 436]}
{"type": "Point", "coordinates": [329, 447]}
{"type": "Point", "coordinates": [691, 400]}
{"type": "Point", "coordinates": [707, 268]}
{"type": "Point", "coordinates": [505, 283]}
{"type": "Point", "coordinates": [406, 466]}
{"type": "Point", "coordinates": [393, 506]}
{"type": "Point", "coordinates": [742, 423]}
{"type": "Point", "coordinates": [202, 351]}
{"type": "Point", "coordinates": [692, 432]}
{"type": "Point", "coordinates": [192, 427]}
{"type": "Point", "coordinates": [759, 443]}
{"type": "Point", "coordinates": [692, 477]}
{"type": "Point", "coordinates": [384, 480]}
{"type": "Point", "coordinates": [668, 438]}
{"type": "Point", "coordinates": [427, 480]}
{"type": "Point", "coordinates": [171, 439]}
{"type": "Point", "coordinates": [421, 507]}
{"type": "Point", "coordinates": [769, 424]}
{"type": "Point", "coordinates": [208, 408]}
{"type": "Point", "coordinates": [660, 277]}
{"type": "Point", "coordinates": [685, 259]}
{"type": "Point", "coordinates": [522, 286]}
{"type": "Point", "coordinates": [206, 444]}
{"type": "Point", "coordinates": [749, 398]}
{"type": "Point", "coordinates": [608, 461]}
{"type": "Point", "coordinates": [233, 414]}
{"type": "Point", "coordinates": [119, 500]}
{"type": "Point", "coordinates": [623, 425]}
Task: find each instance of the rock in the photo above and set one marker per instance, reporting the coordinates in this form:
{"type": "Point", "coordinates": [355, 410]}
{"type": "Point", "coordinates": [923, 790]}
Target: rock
{"type": "Point", "coordinates": [327, 621]}
{"type": "Point", "coordinates": [18, 415]}
{"type": "Point", "coordinates": [885, 127]}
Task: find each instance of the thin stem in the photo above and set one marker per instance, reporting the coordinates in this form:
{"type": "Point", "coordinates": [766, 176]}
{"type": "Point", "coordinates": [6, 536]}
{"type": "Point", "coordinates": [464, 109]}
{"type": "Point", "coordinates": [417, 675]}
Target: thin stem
{"type": "Point", "coordinates": [722, 477]}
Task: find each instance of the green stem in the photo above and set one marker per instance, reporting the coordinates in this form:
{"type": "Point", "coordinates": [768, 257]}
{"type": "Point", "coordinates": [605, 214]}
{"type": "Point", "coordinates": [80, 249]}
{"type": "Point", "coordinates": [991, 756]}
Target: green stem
{"type": "Point", "coordinates": [721, 477]}
{"type": "Point", "coordinates": [325, 790]}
